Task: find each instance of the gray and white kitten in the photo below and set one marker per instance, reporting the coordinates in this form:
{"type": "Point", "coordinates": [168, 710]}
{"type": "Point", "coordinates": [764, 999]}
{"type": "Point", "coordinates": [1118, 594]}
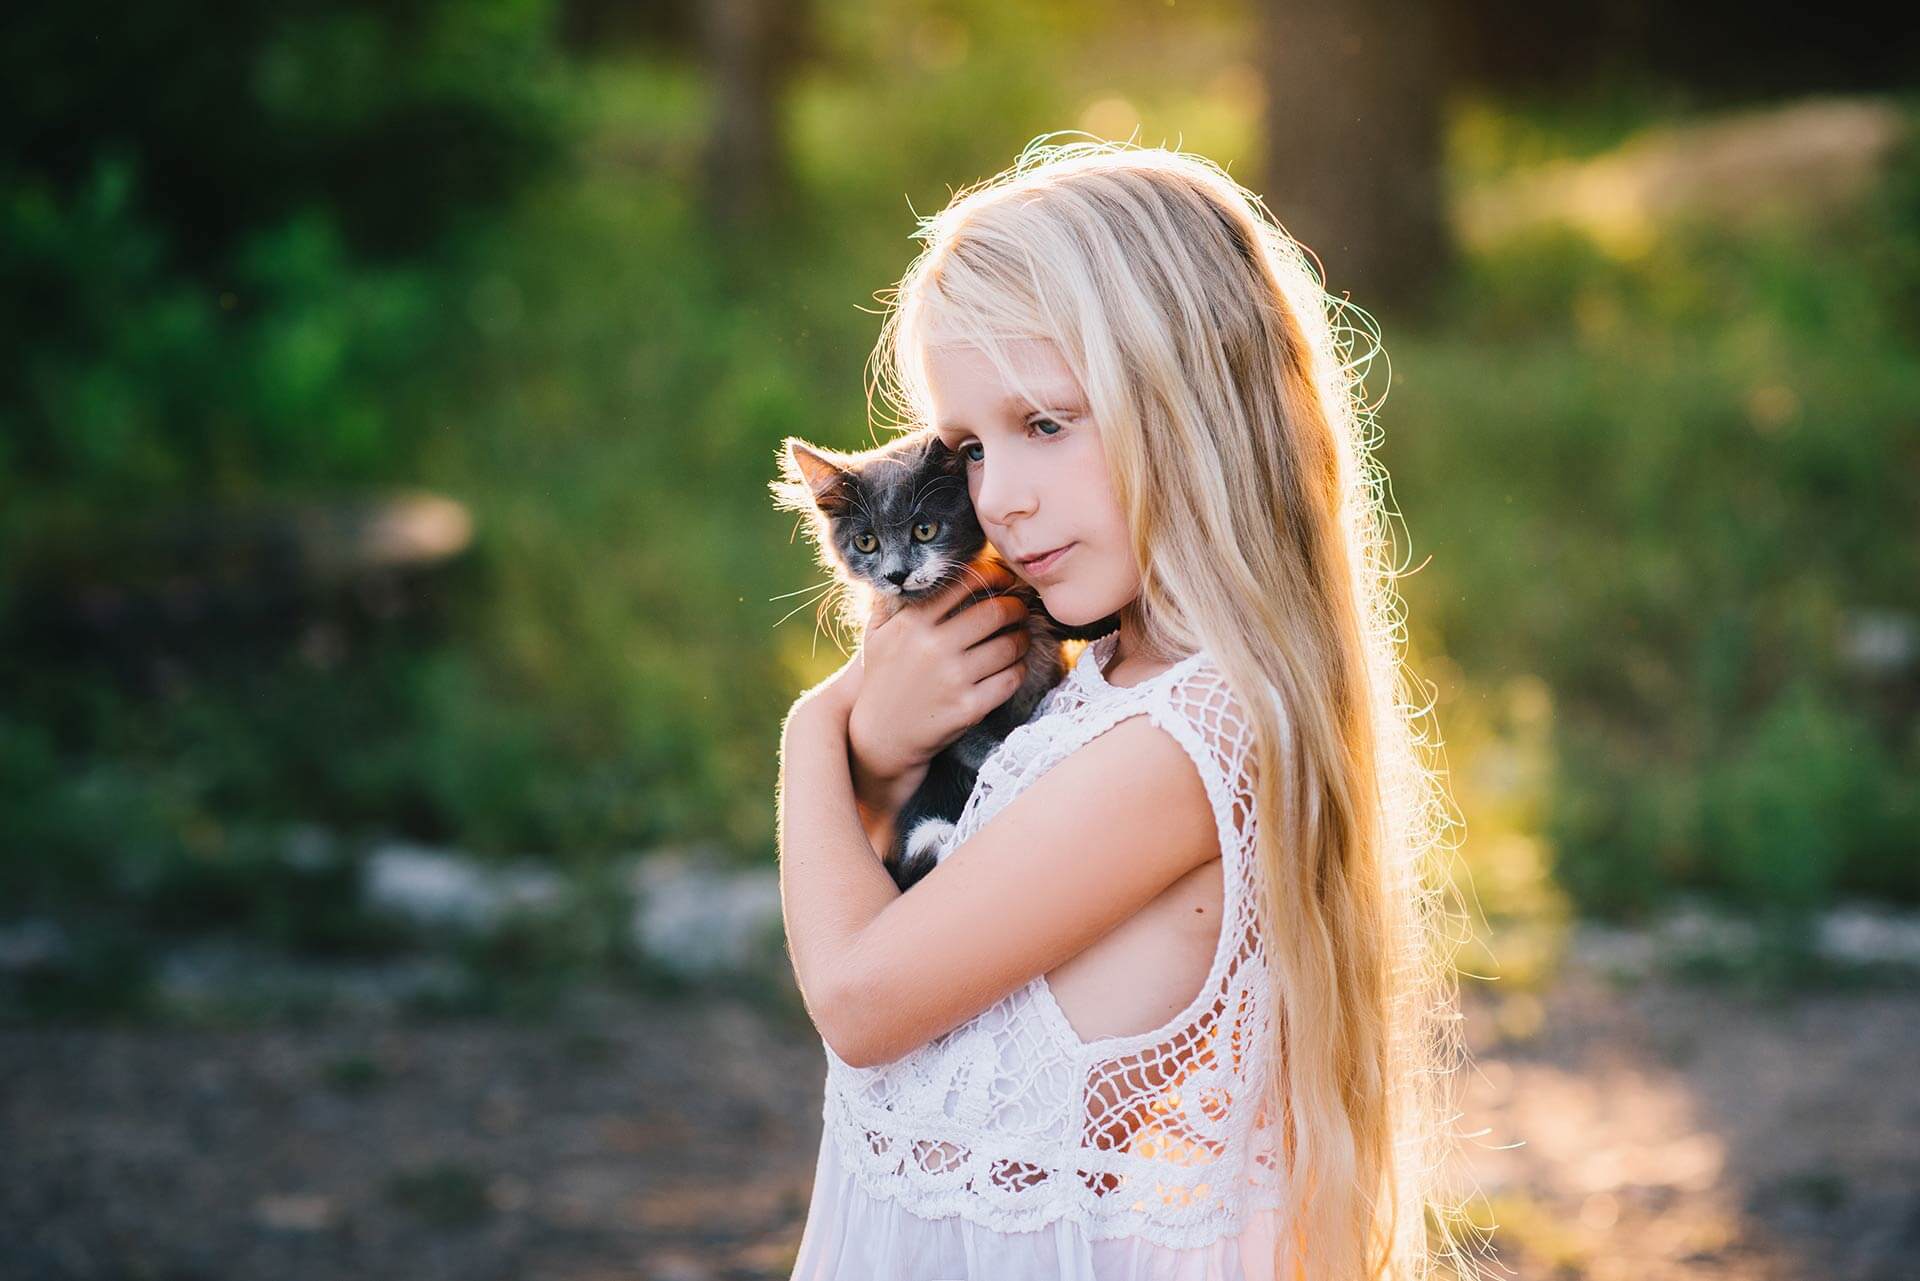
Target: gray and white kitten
{"type": "Point", "coordinates": [896, 522]}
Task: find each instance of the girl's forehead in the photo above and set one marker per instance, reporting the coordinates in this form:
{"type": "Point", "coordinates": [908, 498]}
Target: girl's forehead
{"type": "Point", "coordinates": [1027, 372]}
{"type": "Point", "coordinates": [1027, 357]}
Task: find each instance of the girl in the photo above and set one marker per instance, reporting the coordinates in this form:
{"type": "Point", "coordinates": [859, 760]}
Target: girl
{"type": "Point", "coordinates": [1167, 1006]}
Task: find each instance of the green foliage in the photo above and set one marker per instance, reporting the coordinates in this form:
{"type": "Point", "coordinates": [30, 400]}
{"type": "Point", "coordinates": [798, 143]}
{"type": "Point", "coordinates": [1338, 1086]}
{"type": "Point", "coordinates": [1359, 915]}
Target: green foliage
{"type": "Point", "coordinates": [1809, 802]}
{"type": "Point", "coordinates": [238, 250]}
{"type": "Point", "coordinates": [158, 851]}
{"type": "Point", "coordinates": [1660, 488]}
{"type": "Point", "coordinates": [149, 381]}
{"type": "Point", "coordinates": [227, 241]}
{"type": "Point", "coordinates": [1622, 834]}
{"type": "Point", "coordinates": [1676, 484]}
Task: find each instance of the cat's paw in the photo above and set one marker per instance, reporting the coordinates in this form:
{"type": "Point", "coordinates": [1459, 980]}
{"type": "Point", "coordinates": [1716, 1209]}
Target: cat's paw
{"type": "Point", "coordinates": [929, 838]}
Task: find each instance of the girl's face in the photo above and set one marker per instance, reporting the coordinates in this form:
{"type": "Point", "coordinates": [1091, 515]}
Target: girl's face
{"type": "Point", "coordinates": [1037, 474]}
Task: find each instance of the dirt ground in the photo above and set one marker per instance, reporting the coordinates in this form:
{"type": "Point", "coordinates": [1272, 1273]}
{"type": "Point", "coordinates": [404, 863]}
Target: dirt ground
{"type": "Point", "coordinates": [1650, 1132]}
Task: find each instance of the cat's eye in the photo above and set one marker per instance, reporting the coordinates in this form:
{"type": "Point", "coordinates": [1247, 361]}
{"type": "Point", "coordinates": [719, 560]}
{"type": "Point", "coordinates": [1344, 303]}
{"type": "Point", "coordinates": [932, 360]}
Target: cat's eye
{"type": "Point", "coordinates": [925, 530]}
{"type": "Point", "coordinates": [865, 541]}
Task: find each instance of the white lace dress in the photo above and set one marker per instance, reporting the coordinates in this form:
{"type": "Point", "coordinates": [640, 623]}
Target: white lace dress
{"type": "Point", "coordinates": [1010, 1149]}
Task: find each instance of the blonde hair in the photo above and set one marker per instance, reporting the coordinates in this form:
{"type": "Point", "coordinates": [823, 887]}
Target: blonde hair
{"type": "Point", "coordinates": [1230, 411]}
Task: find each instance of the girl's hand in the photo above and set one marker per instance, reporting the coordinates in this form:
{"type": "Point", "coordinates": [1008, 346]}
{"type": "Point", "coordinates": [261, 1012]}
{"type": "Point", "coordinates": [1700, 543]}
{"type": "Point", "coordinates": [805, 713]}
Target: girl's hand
{"type": "Point", "coordinates": [932, 671]}
{"type": "Point", "coordinates": [833, 696]}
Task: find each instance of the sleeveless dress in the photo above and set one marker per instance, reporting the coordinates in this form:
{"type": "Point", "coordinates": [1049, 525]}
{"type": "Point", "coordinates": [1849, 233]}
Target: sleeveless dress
{"type": "Point", "coordinates": [1009, 1148]}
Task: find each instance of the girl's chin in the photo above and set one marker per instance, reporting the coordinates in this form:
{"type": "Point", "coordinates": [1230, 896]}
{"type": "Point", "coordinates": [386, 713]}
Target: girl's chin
{"type": "Point", "coordinates": [1063, 608]}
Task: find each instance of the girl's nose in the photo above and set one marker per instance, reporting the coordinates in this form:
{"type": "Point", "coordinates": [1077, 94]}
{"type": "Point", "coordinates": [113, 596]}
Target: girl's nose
{"type": "Point", "coordinates": [1004, 495]}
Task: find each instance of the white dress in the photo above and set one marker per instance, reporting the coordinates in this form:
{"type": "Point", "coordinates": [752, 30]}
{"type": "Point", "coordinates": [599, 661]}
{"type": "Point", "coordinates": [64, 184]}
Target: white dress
{"type": "Point", "coordinates": [1009, 1148]}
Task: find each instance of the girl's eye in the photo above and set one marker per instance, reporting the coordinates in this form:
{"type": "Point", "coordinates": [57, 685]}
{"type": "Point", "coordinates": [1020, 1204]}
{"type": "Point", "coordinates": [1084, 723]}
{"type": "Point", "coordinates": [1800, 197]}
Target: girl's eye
{"type": "Point", "coordinates": [866, 542]}
{"type": "Point", "coordinates": [1057, 429]}
{"type": "Point", "coordinates": [1054, 429]}
{"type": "Point", "coordinates": [925, 530]}
{"type": "Point", "coordinates": [969, 457]}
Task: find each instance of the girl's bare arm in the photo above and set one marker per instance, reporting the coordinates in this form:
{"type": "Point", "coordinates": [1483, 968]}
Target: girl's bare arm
{"type": "Point", "coordinates": [1098, 837]}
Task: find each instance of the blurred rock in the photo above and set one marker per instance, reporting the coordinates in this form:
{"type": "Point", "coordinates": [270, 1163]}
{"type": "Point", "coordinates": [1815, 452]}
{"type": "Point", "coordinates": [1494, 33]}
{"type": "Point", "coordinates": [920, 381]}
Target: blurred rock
{"type": "Point", "coordinates": [1855, 934]}
{"type": "Point", "coordinates": [437, 888]}
{"type": "Point", "coordinates": [1881, 642]}
{"type": "Point", "coordinates": [678, 1266]}
{"type": "Point", "coordinates": [31, 945]}
{"type": "Point", "coordinates": [1865, 935]}
{"type": "Point", "coordinates": [216, 975]}
{"type": "Point", "coordinates": [1697, 929]}
{"type": "Point", "coordinates": [309, 847]}
{"type": "Point", "coordinates": [1611, 950]}
{"type": "Point", "coordinates": [296, 1213]}
{"type": "Point", "coordinates": [699, 918]}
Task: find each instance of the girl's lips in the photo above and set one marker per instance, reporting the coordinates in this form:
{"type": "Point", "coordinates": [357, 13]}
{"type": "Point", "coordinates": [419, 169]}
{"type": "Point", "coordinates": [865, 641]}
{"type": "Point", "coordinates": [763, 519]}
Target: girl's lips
{"type": "Point", "coordinates": [1041, 564]}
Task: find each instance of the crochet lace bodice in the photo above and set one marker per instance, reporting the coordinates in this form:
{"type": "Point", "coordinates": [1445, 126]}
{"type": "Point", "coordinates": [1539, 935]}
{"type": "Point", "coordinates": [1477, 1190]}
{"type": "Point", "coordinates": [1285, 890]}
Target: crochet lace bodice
{"type": "Point", "coordinates": [1011, 1119]}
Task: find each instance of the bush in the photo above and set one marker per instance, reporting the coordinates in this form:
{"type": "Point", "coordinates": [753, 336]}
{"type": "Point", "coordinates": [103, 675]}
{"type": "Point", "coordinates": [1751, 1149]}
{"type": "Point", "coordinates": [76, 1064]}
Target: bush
{"type": "Point", "coordinates": [1809, 802]}
{"type": "Point", "coordinates": [1673, 485]}
{"type": "Point", "coordinates": [227, 240]}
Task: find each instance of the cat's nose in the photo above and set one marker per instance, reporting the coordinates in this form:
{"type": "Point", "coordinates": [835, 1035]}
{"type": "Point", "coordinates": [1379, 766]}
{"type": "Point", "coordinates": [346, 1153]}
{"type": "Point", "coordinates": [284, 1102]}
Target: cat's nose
{"type": "Point", "coordinates": [898, 577]}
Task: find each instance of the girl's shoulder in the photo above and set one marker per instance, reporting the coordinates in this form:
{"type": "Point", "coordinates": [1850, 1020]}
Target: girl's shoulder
{"type": "Point", "coordinates": [1191, 698]}
{"type": "Point", "coordinates": [1191, 702]}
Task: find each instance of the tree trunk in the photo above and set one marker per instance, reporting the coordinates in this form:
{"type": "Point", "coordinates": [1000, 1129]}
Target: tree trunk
{"type": "Point", "coordinates": [1353, 148]}
{"type": "Point", "coordinates": [752, 48]}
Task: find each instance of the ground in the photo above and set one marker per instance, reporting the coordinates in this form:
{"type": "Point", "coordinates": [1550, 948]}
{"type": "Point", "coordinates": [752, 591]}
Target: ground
{"type": "Point", "coordinates": [1665, 1130]}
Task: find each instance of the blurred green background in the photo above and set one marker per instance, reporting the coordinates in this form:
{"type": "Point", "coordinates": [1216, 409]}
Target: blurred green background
{"type": "Point", "coordinates": [389, 392]}
{"type": "Point", "coordinates": [580, 268]}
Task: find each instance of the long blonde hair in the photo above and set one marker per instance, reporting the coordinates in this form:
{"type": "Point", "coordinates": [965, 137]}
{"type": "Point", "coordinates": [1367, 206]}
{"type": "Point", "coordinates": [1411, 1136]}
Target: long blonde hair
{"type": "Point", "coordinates": [1228, 394]}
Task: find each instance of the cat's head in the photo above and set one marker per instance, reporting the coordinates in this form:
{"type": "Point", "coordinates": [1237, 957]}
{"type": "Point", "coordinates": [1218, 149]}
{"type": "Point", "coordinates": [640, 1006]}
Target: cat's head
{"type": "Point", "coordinates": [896, 518]}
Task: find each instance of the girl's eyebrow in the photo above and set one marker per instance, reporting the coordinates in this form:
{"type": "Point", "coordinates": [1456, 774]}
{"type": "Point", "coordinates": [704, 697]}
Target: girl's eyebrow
{"type": "Point", "coordinates": [1052, 396]}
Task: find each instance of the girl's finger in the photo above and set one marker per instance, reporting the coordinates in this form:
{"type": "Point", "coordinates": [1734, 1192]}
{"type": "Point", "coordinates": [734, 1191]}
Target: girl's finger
{"type": "Point", "coordinates": [995, 690]}
{"type": "Point", "coordinates": [983, 618]}
{"type": "Point", "coordinates": [990, 656]}
{"type": "Point", "coordinates": [951, 598]}
{"type": "Point", "coordinates": [998, 572]}
{"type": "Point", "coordinates": [879, 610]}
{"type": "Point", "coordinates": [983, 577]}
{"type": "Point", "coordinates": [986, 574]}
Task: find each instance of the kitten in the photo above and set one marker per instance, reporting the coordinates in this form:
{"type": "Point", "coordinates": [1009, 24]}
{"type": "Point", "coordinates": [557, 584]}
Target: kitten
{"type": "Point", "coordinates": [896, 521]}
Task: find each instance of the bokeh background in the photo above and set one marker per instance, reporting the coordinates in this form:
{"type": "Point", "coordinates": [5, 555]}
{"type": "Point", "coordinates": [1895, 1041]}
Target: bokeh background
{"type": "Point", "coordinates": [395, 626]}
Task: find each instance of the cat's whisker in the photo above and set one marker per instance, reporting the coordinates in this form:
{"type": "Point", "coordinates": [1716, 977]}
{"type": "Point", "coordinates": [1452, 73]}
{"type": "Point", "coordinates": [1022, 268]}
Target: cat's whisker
{"type": "Point", "coordinates": [825, 592]}
{"type": "Point", "coordinates": [818, 619]}
{"type": "Point", "coordinates": [811, 587]}
{"type": "Point", "coordinates": [979, 578]}
{"type": "Point", "coordinates": [784, 617]}
{"type": "Point", "coordinates": [933, 486]}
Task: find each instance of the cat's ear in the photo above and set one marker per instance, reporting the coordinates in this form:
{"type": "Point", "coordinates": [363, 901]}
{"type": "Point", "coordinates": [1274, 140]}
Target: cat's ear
{"type": "Point", "coordinates": [808, 477]}
{"type": "Point", "coordinates": [945, 457]}
{"type": "Point", "coordinates": [808, 465]}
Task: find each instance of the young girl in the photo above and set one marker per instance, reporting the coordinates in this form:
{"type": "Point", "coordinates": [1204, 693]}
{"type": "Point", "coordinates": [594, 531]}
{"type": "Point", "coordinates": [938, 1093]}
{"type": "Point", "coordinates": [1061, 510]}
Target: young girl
{"type": "Point", "coordinates": [1167, 1006]}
